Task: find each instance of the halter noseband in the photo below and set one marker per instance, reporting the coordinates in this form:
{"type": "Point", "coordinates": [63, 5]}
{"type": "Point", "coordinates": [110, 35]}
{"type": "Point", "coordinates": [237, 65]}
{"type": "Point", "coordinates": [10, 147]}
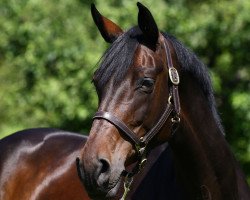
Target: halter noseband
{"type": "Point", "coordinates": [173, 107]}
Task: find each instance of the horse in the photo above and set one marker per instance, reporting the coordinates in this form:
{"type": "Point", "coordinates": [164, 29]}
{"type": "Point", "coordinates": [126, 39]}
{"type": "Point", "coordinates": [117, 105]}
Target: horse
{"type": "Point", "coordinates": [39, 164]}
{"type": "Point", "coordinates": [152, 89]}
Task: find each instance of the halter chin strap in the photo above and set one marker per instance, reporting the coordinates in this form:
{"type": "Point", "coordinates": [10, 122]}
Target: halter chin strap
{"type": "Point", "coordinates": [172, 108]}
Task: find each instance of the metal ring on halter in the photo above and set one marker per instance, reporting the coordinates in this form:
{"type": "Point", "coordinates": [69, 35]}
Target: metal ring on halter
{"type": "Point", "coordinates": [175, 119]}
{"type": "Point", "coordinates": [142, 164]}
{"type": "Point", "coordinates": [169, 99]}
{"type": "Point", "coordinates": [140, 148]}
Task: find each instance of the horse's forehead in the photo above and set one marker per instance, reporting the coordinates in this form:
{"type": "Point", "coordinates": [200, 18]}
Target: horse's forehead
{"type": "Point", "coordinates": [145, 57]}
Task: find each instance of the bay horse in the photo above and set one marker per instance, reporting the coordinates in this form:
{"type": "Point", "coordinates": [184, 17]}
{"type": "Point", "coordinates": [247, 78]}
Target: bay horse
{"type": "Point", "coordinates": [151, 90]}
{"type": "Point", "coordinates": [39, 164]}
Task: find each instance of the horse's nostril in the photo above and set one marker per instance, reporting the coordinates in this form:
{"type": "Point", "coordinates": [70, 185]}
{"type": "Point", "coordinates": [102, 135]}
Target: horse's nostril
{"type": "Point", "coordinates": [103, 173]}
{"type": "Point", "coordinates": [105, 166]}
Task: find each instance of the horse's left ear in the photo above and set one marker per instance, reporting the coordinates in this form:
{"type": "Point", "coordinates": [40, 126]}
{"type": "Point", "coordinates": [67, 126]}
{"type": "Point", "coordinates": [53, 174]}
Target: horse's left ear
{"type": "Point", "coordinates": [109, 30]}
{"type": "Point", "coordinates": [147, 25]}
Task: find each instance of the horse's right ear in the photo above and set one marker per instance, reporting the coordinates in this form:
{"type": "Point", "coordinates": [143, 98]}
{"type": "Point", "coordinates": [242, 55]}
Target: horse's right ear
{"type": "Point", "coordinates": [109, 30]}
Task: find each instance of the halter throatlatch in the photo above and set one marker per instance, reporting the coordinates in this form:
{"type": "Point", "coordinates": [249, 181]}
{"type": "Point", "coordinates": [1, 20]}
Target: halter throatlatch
{"type": "Point", "coordinates": [140, 144]}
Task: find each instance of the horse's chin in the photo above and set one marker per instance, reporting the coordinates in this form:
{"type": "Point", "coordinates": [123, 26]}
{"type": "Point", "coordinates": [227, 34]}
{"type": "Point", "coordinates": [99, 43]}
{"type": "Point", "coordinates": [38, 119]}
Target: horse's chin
{"type": "Point", "coordinates": [110, 193]}
{"type": "Point", "coordinates": [113, 191]}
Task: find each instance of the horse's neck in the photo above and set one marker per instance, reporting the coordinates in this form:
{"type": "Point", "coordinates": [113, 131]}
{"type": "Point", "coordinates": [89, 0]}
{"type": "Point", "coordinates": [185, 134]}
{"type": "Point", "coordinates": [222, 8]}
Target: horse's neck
{"type": "Point", "coordinates": [203, 159]}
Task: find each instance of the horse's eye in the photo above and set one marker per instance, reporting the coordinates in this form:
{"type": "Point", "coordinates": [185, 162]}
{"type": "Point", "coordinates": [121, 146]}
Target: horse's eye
{"type": "Point", "coordinates": [147, 85]}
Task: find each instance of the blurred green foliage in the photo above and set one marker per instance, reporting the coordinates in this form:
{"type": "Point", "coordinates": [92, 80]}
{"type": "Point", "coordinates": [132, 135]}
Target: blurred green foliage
{"type": "Point", "coordinates": [49, 50]}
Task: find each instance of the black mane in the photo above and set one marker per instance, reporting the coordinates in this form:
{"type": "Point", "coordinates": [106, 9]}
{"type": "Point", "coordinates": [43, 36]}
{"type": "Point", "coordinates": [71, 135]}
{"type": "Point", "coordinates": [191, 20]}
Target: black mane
{"type": "Point", "coordinates": [192, 65]}
{"type": "Point", "coordinates": [117, 59]}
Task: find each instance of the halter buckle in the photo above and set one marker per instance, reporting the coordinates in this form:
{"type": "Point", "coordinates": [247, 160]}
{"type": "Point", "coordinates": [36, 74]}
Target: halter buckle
{"type": "Point", "coordinates": [174, 76]}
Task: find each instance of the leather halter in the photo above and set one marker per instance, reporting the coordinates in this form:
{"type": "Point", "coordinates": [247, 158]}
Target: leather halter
{"type": "Point", "coordinates": [172, 108]}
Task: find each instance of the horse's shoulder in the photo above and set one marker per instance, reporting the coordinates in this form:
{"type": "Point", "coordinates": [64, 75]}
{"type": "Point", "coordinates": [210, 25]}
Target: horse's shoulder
{"type": "Point", "coordinates": [41, 140]}
{"type": "Point", "coordinates": [40, 158]}
{"type": "Point", "coordinates": [38, 134]}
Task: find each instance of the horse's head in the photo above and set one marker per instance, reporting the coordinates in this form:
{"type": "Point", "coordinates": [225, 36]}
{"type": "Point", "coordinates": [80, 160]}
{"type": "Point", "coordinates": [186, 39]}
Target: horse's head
{"type": "Point", "coordinates": [138, 96]}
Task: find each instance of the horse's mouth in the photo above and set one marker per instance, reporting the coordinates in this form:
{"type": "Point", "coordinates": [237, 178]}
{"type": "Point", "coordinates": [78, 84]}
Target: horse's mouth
{"type": "Point", "coordinates": [113, 191]}
{"type": "Point", "coordinates": [106, 193]}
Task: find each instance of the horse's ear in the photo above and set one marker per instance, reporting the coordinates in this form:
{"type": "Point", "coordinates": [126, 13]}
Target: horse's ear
{"type": "Point", "coordinates": [109, 30]}
{"type": "Point", "coordinates": [147, 25]}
